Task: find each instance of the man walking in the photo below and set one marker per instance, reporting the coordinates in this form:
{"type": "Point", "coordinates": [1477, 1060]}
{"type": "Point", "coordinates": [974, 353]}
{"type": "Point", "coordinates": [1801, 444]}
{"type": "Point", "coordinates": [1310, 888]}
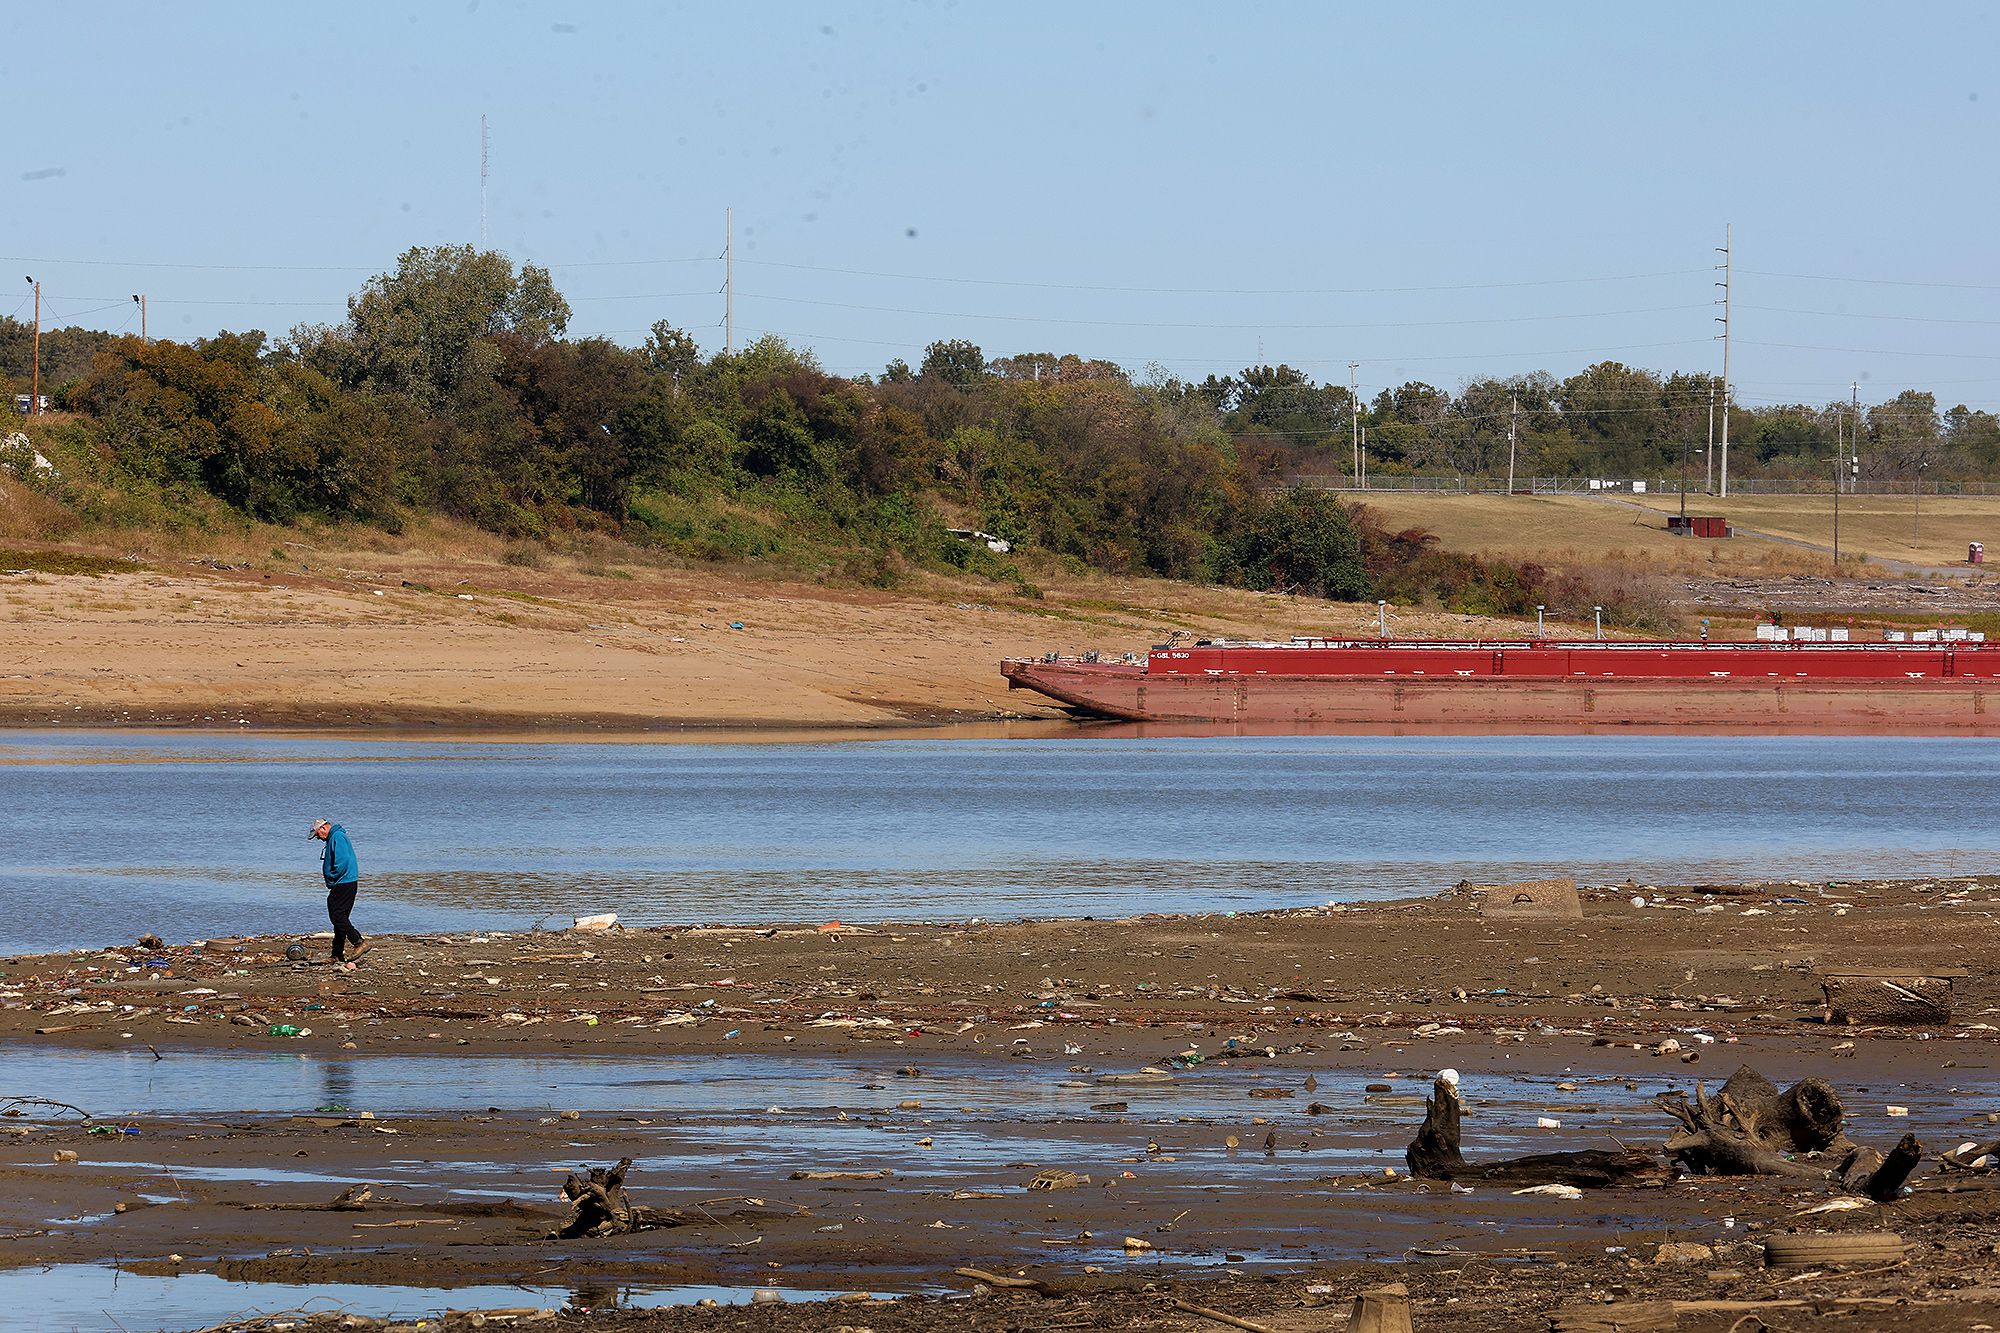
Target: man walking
{"type": "Point", "coordinates": [343, 874]}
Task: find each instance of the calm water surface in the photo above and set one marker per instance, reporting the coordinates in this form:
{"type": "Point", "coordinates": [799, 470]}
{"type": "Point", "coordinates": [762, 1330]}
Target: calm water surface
{"type": "Point", "coordinates": [107, 836]}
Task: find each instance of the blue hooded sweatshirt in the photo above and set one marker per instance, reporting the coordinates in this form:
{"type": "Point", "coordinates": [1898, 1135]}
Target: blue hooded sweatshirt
{"type": "Point", "coordinates": [338, 864]}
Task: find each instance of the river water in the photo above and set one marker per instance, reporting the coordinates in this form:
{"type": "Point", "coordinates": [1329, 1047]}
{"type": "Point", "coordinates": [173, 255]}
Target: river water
{"type": "Point", "coordinates": [107, 836]}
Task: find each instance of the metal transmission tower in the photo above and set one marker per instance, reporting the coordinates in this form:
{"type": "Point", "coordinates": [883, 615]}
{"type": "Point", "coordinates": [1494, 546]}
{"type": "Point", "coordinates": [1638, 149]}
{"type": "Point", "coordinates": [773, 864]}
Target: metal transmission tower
{"type": "Point", "coordinates": [483, 144]}
{"type": "Point", "coordinates": [1728, 268]}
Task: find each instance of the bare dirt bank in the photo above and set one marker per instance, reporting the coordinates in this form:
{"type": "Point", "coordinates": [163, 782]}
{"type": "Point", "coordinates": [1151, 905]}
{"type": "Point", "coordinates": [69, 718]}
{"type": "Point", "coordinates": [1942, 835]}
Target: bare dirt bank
{"type": "Point", "coordinates": [375, 640]}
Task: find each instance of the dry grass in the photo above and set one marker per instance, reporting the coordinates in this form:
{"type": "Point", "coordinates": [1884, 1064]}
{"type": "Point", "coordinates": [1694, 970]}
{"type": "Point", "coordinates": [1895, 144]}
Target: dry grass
{"type": "Point", "coordinates": [1877, 525]}
{"type": "Point", "coordinates": [1571, 531]}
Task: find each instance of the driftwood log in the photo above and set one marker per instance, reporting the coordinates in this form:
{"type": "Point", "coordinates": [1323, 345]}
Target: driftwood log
{"type": "Point", "coordinates": [1750, 1128]}
{"type": "Point", "coordinates": [1435, 1155]}
{"type": "Point", "coordinates": [1627, 1317]}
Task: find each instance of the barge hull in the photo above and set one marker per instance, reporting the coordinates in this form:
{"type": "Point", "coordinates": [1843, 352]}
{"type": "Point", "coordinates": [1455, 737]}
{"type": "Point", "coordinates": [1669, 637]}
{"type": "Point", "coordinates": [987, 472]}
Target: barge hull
{"type": "Point", "coordinates": [1132, 694]}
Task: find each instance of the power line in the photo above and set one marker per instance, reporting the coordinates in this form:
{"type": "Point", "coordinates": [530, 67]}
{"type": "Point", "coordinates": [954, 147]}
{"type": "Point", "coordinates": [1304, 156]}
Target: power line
{"type": "Point", "coordinates": [1172, 324]}
{"type": "Point", "coordinates": [638, 263]}
{"type": "Point", "coordinates": [1217, 361]}
{"type": "Point", "coordinates": [1877, 351]}
{"type": "Point", "coordinates": [232, 268]}
{"type": "Point", "coordinates": [1852, 314]}
{"type": "Point", "coordinates": [1221, 291]}
{"type": "Point", "coordinates": [1877, 282]}
{"type": "Point", "coordinates": [333, 268]}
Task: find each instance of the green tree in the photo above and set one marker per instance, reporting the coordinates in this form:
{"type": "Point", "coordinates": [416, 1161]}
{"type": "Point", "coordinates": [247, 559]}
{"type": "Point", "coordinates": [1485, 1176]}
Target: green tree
{"type": "Point", "coordinates": [1905, 436]}
{"type": "Point", "coordinates": [1974, 436]}
{"type": "Point", "coordinates": [955, 362]}
{"type": "Point", "coordinates": [1304, 541]}
{"type": "Point", "coordinates": [672, 352]}
{"type": "Point", "coordinates": [424, 330]}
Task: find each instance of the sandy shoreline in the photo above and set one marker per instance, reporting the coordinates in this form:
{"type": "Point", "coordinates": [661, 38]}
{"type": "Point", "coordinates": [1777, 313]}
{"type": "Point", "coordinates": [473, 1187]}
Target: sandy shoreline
{"type": "Point", "coordinates": [964, 1058]}
{"type": "Point", "coordinates": [406, 642]}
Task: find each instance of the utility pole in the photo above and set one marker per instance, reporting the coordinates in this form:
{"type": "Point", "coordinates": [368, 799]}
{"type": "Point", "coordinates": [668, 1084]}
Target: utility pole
{"type": "Point", "coordinates": [1354, 410]}
{"type": "Point", "coordinates": [1684, 485]}
{"type": "Point", "coordinates": [140, 301]}
{"type": "Point", "coordinates": [35, 387]}
{"type": "Point", "coordinates": [1364, 458]}
{"type": "Point", "coordinates": [729, 281]}
{"type": "Point", "coordinates": [1916, 503]}
{"type": "Point", "coordinates": [1513, 420]}
{"type": "Point", "coordinates": [1728, 272]}
{"type": "Point", "coordinates": [1854, 436]}
{"type": "Point", "coordinates": [1837, 470]}
{"type": "Point", "coordinates": [1708, 478]}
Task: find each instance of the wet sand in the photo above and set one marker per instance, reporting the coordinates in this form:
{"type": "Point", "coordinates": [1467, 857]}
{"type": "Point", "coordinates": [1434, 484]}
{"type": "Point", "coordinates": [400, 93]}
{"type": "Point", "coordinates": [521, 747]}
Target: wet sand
{"type": "Point", "coordinates": [965, 1058]}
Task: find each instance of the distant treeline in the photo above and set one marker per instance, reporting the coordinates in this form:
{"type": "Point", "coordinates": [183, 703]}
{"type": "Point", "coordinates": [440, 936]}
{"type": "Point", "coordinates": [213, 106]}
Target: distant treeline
{"type": "Point", "coordinates": [451, 387]}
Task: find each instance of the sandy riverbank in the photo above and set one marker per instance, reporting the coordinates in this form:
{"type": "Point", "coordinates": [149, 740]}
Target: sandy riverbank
{"type": "Point", "coordinates": [963, 1059]}
{"type": "Point", "coordinates": [375, 640]}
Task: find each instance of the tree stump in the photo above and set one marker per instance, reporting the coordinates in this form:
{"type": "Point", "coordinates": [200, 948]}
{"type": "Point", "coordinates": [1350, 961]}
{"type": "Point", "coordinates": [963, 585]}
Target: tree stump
{"type": "Point", "coordinates": [1879, 1175]}
{"type": "Point", "coordinates": [597, 1202]}
{"type": "Point", "coordinates": [1806, 1117]}
{"type": "Point", "coordinates": [1749, 1127]}
{"type": "Point", "coordinates": [1382, 1310]}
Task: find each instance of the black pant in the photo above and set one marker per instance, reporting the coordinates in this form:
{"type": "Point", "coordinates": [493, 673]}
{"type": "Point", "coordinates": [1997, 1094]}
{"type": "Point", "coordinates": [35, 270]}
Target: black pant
{"type": "Point", "coordinates": [339, 905]}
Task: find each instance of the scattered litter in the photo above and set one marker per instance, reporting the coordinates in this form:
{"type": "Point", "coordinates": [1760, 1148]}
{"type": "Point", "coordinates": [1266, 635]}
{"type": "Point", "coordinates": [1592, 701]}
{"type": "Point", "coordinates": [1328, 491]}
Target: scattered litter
{"type": "Point", "coordinates": [1553, 1191]}
{"type": "Point", "coordinates": [1846, 1205]}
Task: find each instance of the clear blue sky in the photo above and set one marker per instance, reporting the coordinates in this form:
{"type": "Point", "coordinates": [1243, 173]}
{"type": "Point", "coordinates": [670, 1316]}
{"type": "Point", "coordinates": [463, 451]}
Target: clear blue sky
{"type": "Point", "coordinates": [1435, 191]}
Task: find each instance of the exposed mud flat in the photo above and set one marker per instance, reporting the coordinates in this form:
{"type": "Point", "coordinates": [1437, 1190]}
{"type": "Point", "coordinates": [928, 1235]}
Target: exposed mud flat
{"type": "Point", "coordinates": [1237, 1089]}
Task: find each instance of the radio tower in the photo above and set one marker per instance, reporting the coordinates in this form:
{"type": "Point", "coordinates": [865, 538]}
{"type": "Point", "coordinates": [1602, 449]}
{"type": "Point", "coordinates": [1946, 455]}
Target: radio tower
{"type": "Point", "coordinates": [482, 180]}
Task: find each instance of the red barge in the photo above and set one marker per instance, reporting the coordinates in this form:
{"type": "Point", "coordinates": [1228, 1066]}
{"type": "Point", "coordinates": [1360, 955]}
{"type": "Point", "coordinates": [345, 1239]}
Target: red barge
{"type": "Point", "coordinates": [1932, 685]}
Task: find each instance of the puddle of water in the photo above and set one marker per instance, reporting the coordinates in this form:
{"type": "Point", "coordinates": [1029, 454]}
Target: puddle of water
{"type": "Point", "coordinates": [740, 1120]}
{"type": "Point", "coordinates": [70, 1298]}
{"type": "Point", "coordinates": [112, 1084]}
